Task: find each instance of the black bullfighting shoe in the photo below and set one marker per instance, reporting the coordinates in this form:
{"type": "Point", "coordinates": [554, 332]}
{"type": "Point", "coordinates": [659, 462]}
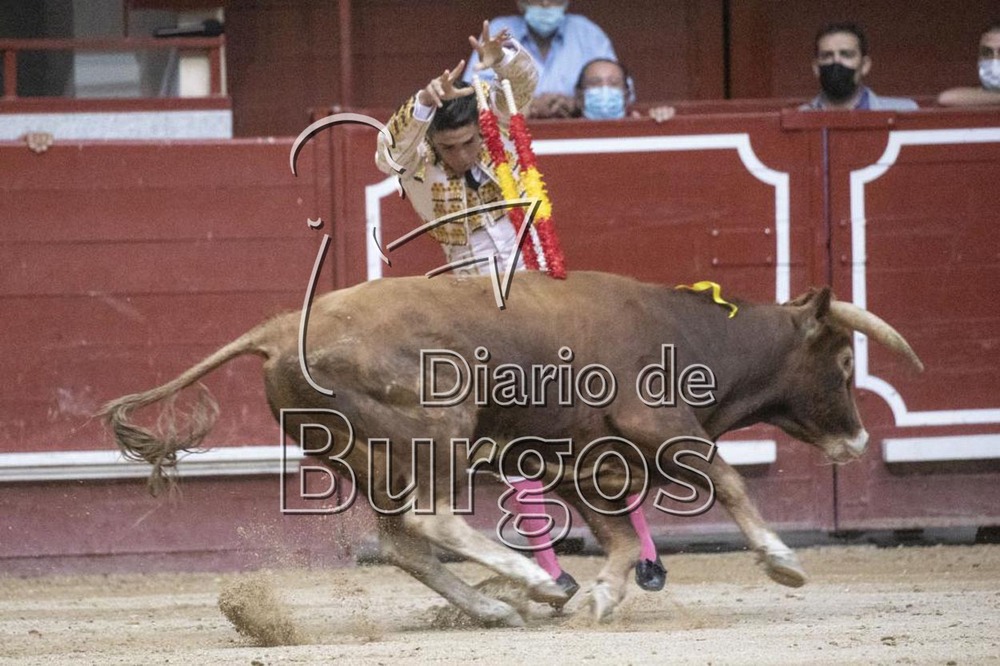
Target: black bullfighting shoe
{"type": "Point", "coordinates": [651, 575]}
{"type": "Point", "coordinates": [568, 585]}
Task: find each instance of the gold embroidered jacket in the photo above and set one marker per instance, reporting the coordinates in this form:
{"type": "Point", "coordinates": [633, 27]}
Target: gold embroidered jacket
{"type": "Point", "coordinates": [432, 188]}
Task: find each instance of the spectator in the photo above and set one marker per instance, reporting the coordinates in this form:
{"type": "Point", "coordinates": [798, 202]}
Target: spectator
{"type": "Point", "coordinates": [989, 75]}
{"type": "Point", "coordinates": [560, 43]}
{"type": "Point", "coordinates": [841, 63]}
{"type": "Point", "coordinates": [605, 91]}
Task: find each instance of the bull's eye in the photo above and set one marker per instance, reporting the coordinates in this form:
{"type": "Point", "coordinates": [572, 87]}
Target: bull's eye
{"type": "Point", "coordinates": [847, 363]}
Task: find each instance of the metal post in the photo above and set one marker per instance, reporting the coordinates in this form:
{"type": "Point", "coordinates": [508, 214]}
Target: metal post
{"type": "Point", "coordinates": [215, 71]}
{"type": "Point", "coordinates": [346, 71]}
{"type": "Point", "coordinates": [10, 74]}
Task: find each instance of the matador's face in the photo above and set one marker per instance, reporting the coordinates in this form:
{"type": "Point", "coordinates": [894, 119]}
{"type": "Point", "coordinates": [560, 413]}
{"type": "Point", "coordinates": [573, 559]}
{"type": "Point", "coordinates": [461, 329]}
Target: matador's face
{"type": "Point", "coordinates": [458, 148]}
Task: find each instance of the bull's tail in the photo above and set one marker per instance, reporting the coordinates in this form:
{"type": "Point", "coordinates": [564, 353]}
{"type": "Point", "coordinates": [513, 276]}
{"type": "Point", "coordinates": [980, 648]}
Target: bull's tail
{"type": "Point", "coordinates": [174, 432]}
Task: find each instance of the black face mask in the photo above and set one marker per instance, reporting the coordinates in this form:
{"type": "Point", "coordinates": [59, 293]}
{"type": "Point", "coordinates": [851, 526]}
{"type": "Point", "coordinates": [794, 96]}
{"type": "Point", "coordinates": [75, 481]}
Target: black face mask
{"type": "Point", "coordinates": [837, 81]}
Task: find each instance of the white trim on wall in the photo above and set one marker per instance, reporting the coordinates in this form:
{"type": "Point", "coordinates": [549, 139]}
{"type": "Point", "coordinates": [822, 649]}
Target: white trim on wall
{"type": "Point", "coordinates": [635, 144]}
{"type": "Point", "coordinates": [941, 449]}
{"type": "Point", "coordinates": [859, 179]}
{"type": "Point", "coordinates": [104, 465]}
{"type": "Point", "coordinates": [237, 461]}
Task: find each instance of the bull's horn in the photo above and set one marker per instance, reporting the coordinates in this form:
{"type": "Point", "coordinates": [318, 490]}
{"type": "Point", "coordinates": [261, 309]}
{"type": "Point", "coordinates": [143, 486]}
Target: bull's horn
{"type": "Point", "coordinates": [858, 319]}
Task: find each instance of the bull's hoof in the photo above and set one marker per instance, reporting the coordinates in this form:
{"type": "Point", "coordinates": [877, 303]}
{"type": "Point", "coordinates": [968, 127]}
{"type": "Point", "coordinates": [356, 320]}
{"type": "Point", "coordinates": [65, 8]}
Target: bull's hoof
{"type": "Point", "coordinates": [568, 585]}
{"type": "Point", "coordinates": [501, 603]}
{"type": "Point", "coordinates": [551, 592]}
{"type": "Point", "coordinates": [784, 569]}
{"type": "Point", "coordinates": [651, 575]}
{"type": "Point", "coordinates": [499, 614]}
{"type": "Point", "coordinates": [603, 602]}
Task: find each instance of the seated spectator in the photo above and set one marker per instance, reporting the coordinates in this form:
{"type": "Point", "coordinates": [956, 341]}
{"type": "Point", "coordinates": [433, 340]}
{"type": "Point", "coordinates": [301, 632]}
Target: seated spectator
{"type": "Point", "coordinates": [841, 63]}
{"type": "Point", "coordinates": [560, 43]}
{"type": "Point", "coordinates": [989, 75]}
{"type": "Point", "coordinates": [605, 91]}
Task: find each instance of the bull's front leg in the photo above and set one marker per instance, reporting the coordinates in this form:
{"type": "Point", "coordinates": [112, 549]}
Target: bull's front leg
{"type": "Point", "coordinates": [647, 428]}
{"type": "Point", "coordinates": [780, 562]}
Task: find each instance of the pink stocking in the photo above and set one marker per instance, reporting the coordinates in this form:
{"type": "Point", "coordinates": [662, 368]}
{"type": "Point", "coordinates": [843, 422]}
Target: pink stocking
{"type": "Point", "coordinates": [641, 527]}
{"type": "Point", "coordinates": [545, 556]}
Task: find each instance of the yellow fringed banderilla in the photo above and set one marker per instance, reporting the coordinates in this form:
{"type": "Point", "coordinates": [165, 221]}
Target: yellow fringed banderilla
{"type": "Point", "coordinates": [716, 290]}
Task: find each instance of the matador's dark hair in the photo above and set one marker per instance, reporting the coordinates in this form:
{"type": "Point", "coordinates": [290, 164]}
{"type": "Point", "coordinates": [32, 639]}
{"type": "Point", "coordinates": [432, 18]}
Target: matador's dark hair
{"type": "Point", "coordinates": [457, 112]}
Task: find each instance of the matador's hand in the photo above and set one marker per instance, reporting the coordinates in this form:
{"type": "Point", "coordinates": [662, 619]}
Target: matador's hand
{"type": "Point", "coordinates": [490, 49]}
{"type": "Point", "coordinates": [442, 88]}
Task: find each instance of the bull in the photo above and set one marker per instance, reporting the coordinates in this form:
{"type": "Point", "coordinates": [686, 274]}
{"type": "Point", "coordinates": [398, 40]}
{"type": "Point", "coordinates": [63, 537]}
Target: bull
{"type": "Point", "coordinates": [788, 365]}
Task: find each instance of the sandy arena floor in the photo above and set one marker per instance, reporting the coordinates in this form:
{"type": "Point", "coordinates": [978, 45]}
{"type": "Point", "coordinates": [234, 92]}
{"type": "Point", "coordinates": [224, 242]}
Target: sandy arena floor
{"type": "Point", "coordinates": [935, 605]}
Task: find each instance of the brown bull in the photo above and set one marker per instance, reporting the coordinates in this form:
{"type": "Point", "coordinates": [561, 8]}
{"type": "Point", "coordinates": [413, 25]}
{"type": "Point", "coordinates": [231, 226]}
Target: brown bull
{"type": "Point", "coordinates": [788, 365]}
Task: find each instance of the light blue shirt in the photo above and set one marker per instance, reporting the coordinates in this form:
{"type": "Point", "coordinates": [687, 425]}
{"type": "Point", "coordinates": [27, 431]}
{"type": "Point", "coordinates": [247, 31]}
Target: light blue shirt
{"type": "Point", "coordinates": [577, 42]}
{"type": "Point", "coordinates": [868, 101]}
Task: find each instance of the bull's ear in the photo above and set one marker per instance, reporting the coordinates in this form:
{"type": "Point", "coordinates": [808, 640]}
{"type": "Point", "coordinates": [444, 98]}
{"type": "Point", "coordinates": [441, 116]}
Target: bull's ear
{"type": "Point", "coordinates": [811, 312]}
{"type": "Point", "coordinates": [822, 303]}
{"type": "Point", "coordinates": [802, 299]}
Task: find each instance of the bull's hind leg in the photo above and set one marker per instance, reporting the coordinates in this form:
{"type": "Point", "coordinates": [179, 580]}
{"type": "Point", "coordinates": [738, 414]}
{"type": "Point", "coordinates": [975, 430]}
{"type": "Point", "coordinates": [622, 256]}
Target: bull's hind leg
{"type": "Point", "coordinates": [452, 533]}
{"type": "Point", "coordinates": [621, 547]}
{"type": "Point", "coordinates": [412, 553]}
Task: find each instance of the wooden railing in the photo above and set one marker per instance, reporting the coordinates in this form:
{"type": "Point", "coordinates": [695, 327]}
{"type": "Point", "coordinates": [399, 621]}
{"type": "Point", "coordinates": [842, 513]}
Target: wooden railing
{"type": "Point", "coordinates": [10, 48]}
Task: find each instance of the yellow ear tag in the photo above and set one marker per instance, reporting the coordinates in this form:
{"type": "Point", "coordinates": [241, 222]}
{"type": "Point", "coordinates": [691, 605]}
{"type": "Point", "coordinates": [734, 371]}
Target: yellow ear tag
{"type": "Point", "coordinates": [705, 285]}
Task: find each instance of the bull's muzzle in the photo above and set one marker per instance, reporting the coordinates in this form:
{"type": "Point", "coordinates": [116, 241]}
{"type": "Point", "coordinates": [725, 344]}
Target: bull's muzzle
{"type": "Point", "coordinates": [859, 443]}
{"type": "Point", "coordinates": [846, 449]}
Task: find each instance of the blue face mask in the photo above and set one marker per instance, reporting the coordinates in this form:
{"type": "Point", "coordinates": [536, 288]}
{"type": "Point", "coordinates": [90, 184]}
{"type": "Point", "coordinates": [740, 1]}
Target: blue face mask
{"type": "Point", "coordinates": [603, 103]}
{"type": "Point", "coordinates": [544, 21]}
{"type": "Point", "coordinates": [989, 73]}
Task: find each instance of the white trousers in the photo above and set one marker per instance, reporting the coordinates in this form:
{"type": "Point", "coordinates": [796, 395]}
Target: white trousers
{"type": "Point", "coordinates": [498, 239]}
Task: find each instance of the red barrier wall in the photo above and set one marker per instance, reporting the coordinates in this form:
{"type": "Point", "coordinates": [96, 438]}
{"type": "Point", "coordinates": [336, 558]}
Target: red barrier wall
{"type": "Point", "coordinates": [122, 265]}
{"type": "Point", "coordinates": [125, 263]}
{"type": "Point", "coordinates": [914, 237]}
{"type": "Point", "coordinates": [688, 201]}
